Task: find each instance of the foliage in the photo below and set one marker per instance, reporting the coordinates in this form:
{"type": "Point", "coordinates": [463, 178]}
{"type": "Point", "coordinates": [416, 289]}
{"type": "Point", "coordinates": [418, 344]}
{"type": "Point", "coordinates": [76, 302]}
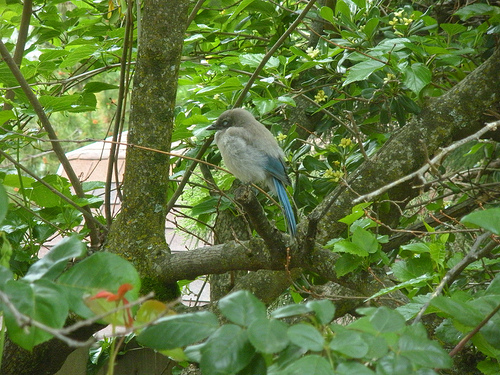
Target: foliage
{"type": "Point", "coordinates": [373, 66]}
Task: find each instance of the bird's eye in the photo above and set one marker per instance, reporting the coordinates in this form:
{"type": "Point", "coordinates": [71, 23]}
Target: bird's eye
{"type": "Point", "coordinates": [225, 123]}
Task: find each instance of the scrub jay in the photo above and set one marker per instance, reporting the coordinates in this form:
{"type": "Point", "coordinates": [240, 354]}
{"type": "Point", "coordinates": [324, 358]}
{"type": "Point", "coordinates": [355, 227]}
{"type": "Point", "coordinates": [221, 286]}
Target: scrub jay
{"type": "Point", "coordinates": [252, 154]}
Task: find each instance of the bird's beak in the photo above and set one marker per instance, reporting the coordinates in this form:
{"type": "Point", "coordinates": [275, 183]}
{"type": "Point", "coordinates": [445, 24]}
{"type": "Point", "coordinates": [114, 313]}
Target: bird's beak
{"type": "Point", "coordinates": [212, 127]}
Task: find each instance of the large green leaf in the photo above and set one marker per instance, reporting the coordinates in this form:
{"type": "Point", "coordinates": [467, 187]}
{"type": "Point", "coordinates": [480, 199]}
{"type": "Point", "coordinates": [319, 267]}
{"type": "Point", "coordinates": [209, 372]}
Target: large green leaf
{"type": "Point", "coordinates": [349, 343]}
{"type": "Point", "coordinates": [324, 310]}
{"type": "Point", "coordinates": [416, 77]}
{"type": "Point", "coordinates": [100, 271]}
{"type": "Point", "coordinates": [488, 219]}
{"type": "Point", "coordinates": [415, 346]}
{"type": "Point", "coordinates": [226, 352]}
{"type": "Point", "coordinates": [53, 264]}
{"type": "Point", "coordinates": [306, 336]}
{"type": "Point", "coordinates": [387, 320]}
{"type": "Point", "coordinates": [4, 203]}
{"type": "Point", "coordinates": [179, 330]}
{"type": "Point", "coordinates": [242, 308]}
{"type": "Point", "coordinates": [268, 335]}
{"type": "Point", "coordinates": [42, 301]}
{"type": "Point", "coordinates": [311, 364]}
{"type": "Point", "coordinates": [362, 70]}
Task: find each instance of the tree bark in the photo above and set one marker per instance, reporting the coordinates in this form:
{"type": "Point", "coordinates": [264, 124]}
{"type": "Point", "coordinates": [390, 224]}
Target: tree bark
{"type": "Point", "coordinates": [138, 233]}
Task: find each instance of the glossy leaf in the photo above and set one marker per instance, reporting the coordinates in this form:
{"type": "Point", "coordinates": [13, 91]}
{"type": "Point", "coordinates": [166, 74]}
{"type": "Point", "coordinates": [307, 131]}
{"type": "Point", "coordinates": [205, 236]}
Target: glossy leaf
{"type": "Point", "coordinates": [349, 343]}
{"type": "Point", "coordinates": [242, 308]}
{"type": "Point", "coordinates": [268, 335]}
{"type": "Point", "coordinates": [226, 352]}
{"type": "Point", "coordinates": [40, 300]}
{"type": "Point", "coordinates": [179, 330]}
{"type": "Point", "coordinates": [488, 219]}
{"type": "Point", "coordinates": [53, 264]}
{"type": "Point", "coordinates": [306, 336]}
{"type": "Point", "coordinates": [100, 271]}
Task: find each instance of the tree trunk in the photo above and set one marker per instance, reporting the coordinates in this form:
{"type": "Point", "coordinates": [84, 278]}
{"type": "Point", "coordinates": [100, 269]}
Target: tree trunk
{"type": "Point", "coordinates": [138, 233]}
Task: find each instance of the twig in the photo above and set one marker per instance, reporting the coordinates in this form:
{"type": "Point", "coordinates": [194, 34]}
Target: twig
{"type": "Point", "coordinates": [473, 255]}
{"type": "Point", "coordinates": [23, 320]}
{"type": "Point", "coordinates": [113, 151]}
{"type": "Point", "coordinates": [469, 336]}
{"type": "Point", "coordinates": [435, 160]}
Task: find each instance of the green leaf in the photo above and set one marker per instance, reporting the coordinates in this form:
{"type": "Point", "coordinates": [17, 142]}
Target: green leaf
{"type": "Point", "coordinates": [415, 346]}
{"type": "Point", "coordinates": [264, 105]}
{"type": "Point", "coordinates": [365, 240]}
{"type": "Point", "coordinates": [346, 246]}
{"type": "Point", "coordinates": [409, 283]}
{"type": "Point", "coordinates": [4, 203]}
{"type": "Point", "coordinates": [268, 335]}
{"type": "Point", "coordinates": [393, 364]}
{"type": "Point", "coordinates": [41, 301]}
{"type": "Point", "coordinates": [476, 10]}
{"type": "Point", "coordinates": [349, 343]}
{"type": "Point", "coordinates": [226, 352]}
{"type": "Point", "coordinates": [228, 86]}
{"type": "Point", "coordinates": [362, 70]}
{"type": "Point", "coordinates": [350, 368]}
{"type": "Point", "coordinates": [407, 269]}
{"type": "Point", "coordinates": [488, 219]}
{"type": "Point", "coordinates": [311, 364]}
{"type": "Point", "coordinates": [176, 331]}
{"type": "Point", "coordinates": [53, 264]}
{"type": "Point", "coordinates": [6, 115]}
{"type": "Point", "coordinates": [313, 164]}
{"type": "Point", "coordinates": [416, 77]}
{"type": "Point", "coordinates": [291, 310]}
{"type": "Point", "coordinates": [100, 271]}
{"type": "Point", "coordinates": [461, 311]}
{"type": "Point", "coordinates": [387, 320]}
{"type": "Point", "coordinates": [253, 60]}
{"type": "Point", "coordinates": [93, 87]}
{"type": "Point", "coordinates": [356, 212]}
{"type": "Point", "coordinates": [242, 307]}
{"type": "Point", "coordinates": [327, 14]}
{"type": "Point", "coordinates": [241, 6]}
{"type": "Point", "coordinates": [453, 28]}
{"type": "Point", "coordinates": [5, 275]}
{"type": "Point", "coordinates": [77, 54]}
{"type": "Point", "coordinates": [287, 100]}
{"type": "Point", "coordinates": [324, 309]}
{"type": "Point", "coordinates": [347, 263]}
{"type": "Point", "coordinates": [306, 336]}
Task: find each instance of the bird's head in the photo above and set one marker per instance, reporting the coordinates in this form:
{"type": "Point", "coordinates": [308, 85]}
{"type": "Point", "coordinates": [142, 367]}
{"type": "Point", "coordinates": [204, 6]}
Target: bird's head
{"type": "Point", "coordinates": [237, 117]}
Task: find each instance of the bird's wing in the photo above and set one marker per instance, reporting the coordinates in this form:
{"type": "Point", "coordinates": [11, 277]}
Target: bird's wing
{"type": "Point", "coordinates": [276, 168]}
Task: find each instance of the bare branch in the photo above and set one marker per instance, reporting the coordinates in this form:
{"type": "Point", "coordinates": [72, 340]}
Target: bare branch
{"type": "Point", "coordinates": [431, 163]}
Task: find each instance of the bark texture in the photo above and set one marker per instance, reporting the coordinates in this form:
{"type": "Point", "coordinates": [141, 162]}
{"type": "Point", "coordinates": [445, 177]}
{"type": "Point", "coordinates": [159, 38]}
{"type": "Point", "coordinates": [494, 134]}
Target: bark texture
{"type": "Point", "coordinates": [138, 234]}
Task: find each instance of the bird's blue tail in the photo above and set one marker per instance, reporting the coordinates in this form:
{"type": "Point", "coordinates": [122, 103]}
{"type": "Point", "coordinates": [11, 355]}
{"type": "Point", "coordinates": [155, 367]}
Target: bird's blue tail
{"type": "Point", "coordinates": [287, 208]}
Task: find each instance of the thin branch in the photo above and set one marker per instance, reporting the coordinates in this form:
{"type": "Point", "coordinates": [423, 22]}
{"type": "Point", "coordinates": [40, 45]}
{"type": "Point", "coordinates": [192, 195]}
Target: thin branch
{"type": "Point", "coordinates": [271, 51]}
{"type": "Point", "coordinates": [430, 164]}
{"type": "Point", "coordinates": [88, 216]}
{"type": "Point", "coordinates": [194, 12]}
{"type": "Point", "coordinates": [20, 44]}
{"type": "Point", "coordinates": [56, 146]}
{"type": "Point", "coordinates": [127, 45]}
{"type": "Point", "coordinates": [469, 336]}
{"type": "Point", "coordinates": [473, 255]}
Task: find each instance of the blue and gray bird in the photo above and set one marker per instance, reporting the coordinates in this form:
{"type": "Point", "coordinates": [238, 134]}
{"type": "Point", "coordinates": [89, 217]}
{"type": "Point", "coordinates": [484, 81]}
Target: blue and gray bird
{"type": "Point", "coordinates": [253, 155]}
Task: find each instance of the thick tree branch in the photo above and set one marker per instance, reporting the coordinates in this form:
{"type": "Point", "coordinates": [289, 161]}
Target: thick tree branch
{"type": "Point", "coordinates": [455, 115]}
